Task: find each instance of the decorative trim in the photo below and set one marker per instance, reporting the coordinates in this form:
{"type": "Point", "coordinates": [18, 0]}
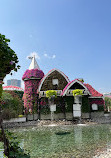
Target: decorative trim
{"type": "Point", "coordinates": [72, 84]}
{"type": "Point", "coordinates": [39, 88]}
{"type": "Point", "coordinates": [96, 97]}
{"type": "Point", "coordinates": [31, 79]}
{"type": "Point", "coordinates": [43, 93]}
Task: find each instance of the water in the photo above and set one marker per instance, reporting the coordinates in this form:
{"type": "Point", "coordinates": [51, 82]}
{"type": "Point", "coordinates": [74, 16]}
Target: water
{"type": "Point", "coordinates": [65, 141]}
{"type": "Point", "coordinates": [1, 150]}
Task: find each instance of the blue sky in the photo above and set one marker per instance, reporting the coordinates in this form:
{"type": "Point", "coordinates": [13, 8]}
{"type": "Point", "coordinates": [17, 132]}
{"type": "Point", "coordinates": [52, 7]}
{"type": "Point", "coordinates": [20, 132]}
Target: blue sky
{"type": "Point", "coordinates": [71, 35]}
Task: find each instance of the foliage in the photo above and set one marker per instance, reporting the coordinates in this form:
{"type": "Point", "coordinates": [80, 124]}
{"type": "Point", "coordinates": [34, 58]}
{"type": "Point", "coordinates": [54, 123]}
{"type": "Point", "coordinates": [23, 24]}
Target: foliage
{"type": "Point", "coordinates": [51, 93]}
{"type": "Point", "coordinates": [19, 93]}
{"type": "Point", "coordinates": [85, 104]}
{"type": "Point", "coordinates": [69, 101]}
{"type": "Point", "coordinates": [8, 56]}
{"type": "Point", "coordinates": [1, 89]}
{"type": "Point", "coordinates": [6, 97]}
{"type": "Point", "coordinates": [81, 80]}
{"type": "Point", "coordinates": [14, 148]}
{"type": "Point", "coordinates": [7, 64]}
{"type": "Point", "coordinates": [77, 92]}
{"type": "Point", "coordinates": [21, 116]}
{"type": "Point", "coordinates": [100, 108]}
{"type": "Point", "coordinates": [11, 104]}
{"type": "Point", "coordinates": [107, 103]}
{"type": "Point", "coordinates": [97, 101]}
{"type": "Point", "coordinates": [9, 113]}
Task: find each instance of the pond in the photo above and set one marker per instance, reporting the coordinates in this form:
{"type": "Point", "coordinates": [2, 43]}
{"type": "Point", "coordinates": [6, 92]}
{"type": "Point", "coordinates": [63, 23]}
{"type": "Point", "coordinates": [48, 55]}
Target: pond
{"type": "Point", "coordinates": [64, 141]}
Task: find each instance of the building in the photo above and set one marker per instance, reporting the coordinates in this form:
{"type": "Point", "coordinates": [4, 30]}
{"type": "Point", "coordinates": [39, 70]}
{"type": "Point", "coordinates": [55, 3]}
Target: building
{"type": "Point", "coordinates": [14, 82]}
{"type": "Point", "coordinates": [66, 105]}
{"type": "Point", "coordinates": [12, 88]}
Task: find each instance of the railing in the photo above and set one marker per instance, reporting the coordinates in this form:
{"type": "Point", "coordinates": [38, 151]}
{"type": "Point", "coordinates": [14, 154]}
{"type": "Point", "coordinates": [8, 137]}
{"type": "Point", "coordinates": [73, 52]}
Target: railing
{"type": "Point", "coordinates": [43, 93]}
{"type": "Point", "coordinates": [69, 92]}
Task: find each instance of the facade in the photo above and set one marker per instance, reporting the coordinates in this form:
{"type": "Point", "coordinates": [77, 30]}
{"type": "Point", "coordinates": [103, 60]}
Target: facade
{"type": "Point", "coordinates": [14, 82]}
{"type": "Point", "coordinates": [67, 106]}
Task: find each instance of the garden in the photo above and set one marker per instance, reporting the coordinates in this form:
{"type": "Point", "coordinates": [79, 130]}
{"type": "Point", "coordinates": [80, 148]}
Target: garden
{"type": "Point", "coordinates": [46, 141]}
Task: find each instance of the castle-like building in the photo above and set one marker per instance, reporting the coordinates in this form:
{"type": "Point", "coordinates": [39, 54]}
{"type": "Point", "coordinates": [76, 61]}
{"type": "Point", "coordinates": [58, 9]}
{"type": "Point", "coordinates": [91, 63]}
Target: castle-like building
{"type": "Point", "coordinates": [36, 85]}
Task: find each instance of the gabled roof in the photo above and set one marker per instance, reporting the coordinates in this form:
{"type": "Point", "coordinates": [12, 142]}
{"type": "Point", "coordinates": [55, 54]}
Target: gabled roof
{"type": "Point", "coordinates": [88, 87]}
{"type": "Point", "coordinates": [42, 80]}
{"type": "Point", "coordinates": [70, 84]}
{"type": "Point", "coordinates": [93, 92]}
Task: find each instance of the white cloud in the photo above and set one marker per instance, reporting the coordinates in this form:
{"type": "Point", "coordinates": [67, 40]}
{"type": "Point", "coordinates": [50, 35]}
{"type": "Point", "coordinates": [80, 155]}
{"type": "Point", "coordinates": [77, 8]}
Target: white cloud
{"type": "Point", "coordinates": [45, 55]}
{"type": "Point", "coordinates": [32, 54]}
{"type": "Point", "coordinates": [54, 56]}
{"type": "Point", "coordinates": [49, 57]}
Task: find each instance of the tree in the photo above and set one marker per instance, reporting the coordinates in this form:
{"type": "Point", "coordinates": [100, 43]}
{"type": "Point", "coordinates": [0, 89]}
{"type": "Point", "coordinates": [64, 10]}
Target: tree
{"type": "Point", "coordinates": [9, 58]}
{"type": "Point", "coordinates": [107, 103]}
{"type": "Point", "coordinates": [8, 63]}
{"type": "Point", "coordinates": [12, 105]}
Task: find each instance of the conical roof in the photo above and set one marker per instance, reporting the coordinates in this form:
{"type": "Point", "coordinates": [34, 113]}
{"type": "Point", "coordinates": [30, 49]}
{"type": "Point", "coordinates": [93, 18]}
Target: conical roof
{"type": "Point", "coordinates": [34, 64]}
{"type": "Point", "coordinates": [33, 71]}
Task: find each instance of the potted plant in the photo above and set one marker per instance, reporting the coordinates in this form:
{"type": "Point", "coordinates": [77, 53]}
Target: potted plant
{"type": "Point", "coordinates": [51, 95]}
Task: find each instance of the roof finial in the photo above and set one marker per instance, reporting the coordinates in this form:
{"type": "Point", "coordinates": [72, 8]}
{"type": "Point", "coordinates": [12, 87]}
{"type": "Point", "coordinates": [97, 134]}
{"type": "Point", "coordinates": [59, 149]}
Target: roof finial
{"type": "Point", "coordinates": [33, 64]}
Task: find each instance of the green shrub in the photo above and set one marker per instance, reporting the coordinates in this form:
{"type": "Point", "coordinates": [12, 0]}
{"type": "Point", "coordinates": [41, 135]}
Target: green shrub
{"type": "Point", "coordinates": [51, 93]}
{"type": "Point", "coordinates": [12, 102]}
{"type": "Point", "coordinates": [85, 104]}
{"type": "Point", "coordinates": [14, 149]}
{"type": "Point", "coordinates": [8, 114]}
{"type": "Point", "coordinates": [77, 92]}
{"type": "Point", "coordinates": [69, 101]}
{"type": "Point", "coordinates": [107, 102]}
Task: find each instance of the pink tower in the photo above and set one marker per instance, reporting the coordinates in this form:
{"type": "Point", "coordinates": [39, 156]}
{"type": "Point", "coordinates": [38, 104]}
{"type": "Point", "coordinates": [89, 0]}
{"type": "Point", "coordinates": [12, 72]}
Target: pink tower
{"type": "Point", "coordinates": [31, 79]}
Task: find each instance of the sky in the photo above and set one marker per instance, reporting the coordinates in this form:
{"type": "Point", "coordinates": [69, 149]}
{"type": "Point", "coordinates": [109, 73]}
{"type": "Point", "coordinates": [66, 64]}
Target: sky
{"type": "Point", "coordinates": [73, 36]}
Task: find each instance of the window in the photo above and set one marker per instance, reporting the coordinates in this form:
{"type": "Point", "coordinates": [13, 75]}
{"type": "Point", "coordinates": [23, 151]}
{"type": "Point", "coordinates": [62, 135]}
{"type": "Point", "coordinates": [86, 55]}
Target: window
{"type": "Point", "coordinates": [94, 107]}
{"type": "Point", "coordinates": [55, 81]}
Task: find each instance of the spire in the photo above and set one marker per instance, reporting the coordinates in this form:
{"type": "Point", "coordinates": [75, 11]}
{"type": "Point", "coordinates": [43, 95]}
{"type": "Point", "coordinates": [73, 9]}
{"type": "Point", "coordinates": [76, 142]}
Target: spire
{"type": "Point", "coordinates": [33, 64]}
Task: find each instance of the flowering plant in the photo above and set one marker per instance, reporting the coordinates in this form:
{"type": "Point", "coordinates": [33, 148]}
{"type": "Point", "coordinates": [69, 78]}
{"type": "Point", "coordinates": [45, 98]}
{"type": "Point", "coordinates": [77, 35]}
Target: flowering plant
{"type": "Point", "coordinates": [30, 94]}
{"type": "Point", "coordinates": [51, 93]}
{"type": "Point", "coordinates": [77, 92]}
{"type": "Point", "coordinates": [33, 73]}
{"type": "Point", "coordinates": [97, 101]}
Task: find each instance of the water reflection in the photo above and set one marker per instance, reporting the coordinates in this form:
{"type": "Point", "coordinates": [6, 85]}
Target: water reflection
{"type": "Point", "coordinates": [1, 153]}
{"type": "Point", "coordinates": [78, 136]}
{"type": "Point", "coordinates": [21, 144]}
{"type": "Point", "coordinates": [82, 141]}
{"type": "Point", "coordinates": [96, 134]}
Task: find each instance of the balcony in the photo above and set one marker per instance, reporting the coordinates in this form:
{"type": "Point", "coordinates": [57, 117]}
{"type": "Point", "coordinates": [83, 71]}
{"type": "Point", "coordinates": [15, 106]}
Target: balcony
{"type": "Point", "coordinates": [69, 92]}
{"type": "Point", "coordinates": [43, 93]}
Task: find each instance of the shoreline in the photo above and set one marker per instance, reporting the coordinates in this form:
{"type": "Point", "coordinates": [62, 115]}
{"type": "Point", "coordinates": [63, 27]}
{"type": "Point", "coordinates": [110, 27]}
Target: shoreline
{"type": "Point", "coordinates": [46, 123]}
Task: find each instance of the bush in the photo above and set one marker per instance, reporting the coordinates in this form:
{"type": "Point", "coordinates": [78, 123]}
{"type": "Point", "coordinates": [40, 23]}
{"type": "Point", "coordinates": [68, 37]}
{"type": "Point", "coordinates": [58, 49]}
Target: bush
{"type": "Point", "coordinates": [107, 103]}
{"type": "Point", "coordinates": [13, 102]}
{"type": "Point", "coordinates": [8, 114]}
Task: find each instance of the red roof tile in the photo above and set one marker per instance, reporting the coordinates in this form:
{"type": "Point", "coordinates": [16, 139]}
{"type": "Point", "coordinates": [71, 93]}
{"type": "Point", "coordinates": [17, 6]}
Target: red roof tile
{"type": "Point", "coordinates": [93, 92]}
{"type": "Point", "coordinates": [12, 88]}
